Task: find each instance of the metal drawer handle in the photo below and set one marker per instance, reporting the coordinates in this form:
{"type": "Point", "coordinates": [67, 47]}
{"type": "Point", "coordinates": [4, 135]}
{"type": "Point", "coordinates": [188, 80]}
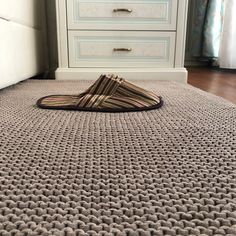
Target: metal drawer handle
{"type": "Point", "coordinates": [122, 49]}
{"type": "Point", "coordinates": [122, 10]}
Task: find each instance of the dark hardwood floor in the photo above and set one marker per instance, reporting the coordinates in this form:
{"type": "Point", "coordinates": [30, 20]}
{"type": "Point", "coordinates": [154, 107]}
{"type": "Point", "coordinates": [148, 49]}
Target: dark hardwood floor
{"type": "Point", "coordinates": [220, 83]}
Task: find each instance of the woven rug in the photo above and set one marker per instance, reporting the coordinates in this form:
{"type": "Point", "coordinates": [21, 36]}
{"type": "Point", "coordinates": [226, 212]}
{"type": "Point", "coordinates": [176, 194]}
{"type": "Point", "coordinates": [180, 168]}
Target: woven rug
{"type": "Point", "coordinates": [162, 172]}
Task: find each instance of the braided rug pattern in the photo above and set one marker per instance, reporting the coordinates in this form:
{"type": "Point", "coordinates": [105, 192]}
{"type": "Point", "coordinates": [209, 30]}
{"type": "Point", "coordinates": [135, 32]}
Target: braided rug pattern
{"type": "Point", "coordinates": [169, 171]}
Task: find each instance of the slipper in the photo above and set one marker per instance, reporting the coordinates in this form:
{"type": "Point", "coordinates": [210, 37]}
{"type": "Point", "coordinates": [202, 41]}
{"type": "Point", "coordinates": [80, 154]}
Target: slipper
{"type": "Point", "coordinates": [107, 94]}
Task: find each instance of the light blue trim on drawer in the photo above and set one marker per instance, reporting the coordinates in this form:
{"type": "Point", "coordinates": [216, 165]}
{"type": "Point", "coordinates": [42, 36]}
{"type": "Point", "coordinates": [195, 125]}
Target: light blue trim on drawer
{"type": "Point", "coordinates": [77, 19]}
{"type": "Point", "coordinates": [121, 40]}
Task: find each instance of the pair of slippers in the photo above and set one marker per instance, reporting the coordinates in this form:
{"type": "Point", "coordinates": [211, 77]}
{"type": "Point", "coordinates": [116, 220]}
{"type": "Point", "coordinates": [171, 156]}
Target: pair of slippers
{"type": "Point", "coordinates": [108, 94]}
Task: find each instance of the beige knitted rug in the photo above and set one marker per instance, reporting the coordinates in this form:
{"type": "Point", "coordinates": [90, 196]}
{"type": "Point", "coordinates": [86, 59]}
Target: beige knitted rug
{"type": "Point", "coordinates": [162, 172]}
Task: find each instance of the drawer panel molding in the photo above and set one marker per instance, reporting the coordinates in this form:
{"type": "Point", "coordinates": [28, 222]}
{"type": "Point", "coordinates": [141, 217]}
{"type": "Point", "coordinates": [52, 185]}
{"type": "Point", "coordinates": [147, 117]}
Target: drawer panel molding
{"type": "Point", "coordinates": [122, 15]}
{"type": "Point", "coordinates": [121, 49]}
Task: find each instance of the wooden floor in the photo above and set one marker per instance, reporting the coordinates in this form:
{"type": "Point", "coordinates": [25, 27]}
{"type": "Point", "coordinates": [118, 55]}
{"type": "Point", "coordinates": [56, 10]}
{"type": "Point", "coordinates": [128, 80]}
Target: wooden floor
{"type": "Point", "coordinates": [220, 83]}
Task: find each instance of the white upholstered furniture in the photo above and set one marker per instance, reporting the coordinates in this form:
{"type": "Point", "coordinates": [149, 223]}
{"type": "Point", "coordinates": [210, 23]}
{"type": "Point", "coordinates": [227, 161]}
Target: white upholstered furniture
{"type": "Point", "coordinates": [21, 40]}
{"type": "Point", "coordinates": [132, 38]}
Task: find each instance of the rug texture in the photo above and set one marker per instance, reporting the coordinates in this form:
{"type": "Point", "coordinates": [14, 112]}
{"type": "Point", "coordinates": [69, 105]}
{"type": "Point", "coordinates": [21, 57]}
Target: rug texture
{"type": "Point", "coordinates": [170, 171]}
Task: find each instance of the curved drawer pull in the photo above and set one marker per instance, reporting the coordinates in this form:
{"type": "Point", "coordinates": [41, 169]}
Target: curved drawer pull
{"type": "Point", "coordinates": [122, 10]}
{"type": "Point", "coordinates": [122, 49]}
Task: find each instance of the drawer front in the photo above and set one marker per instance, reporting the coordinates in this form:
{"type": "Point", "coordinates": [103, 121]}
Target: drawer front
{"type": "Point", "coordinates": [121, 49]}
{"type": "Point", "coordinates": [122, 15]}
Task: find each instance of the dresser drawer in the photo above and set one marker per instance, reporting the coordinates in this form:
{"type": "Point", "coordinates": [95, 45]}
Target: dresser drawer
{"type": "Point", "coordinates": [121, 49]}
{"type": "Point", "coordinates": [122, 14]}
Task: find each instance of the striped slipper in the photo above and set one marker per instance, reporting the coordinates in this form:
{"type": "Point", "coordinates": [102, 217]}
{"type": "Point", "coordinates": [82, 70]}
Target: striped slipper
{"type": "Point", "coordinates": [107, 94]}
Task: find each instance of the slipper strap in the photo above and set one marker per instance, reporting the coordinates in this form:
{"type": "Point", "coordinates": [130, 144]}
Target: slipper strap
{"type": "Point", "coordinates": [105, 85]}
{"type": "Point", "coordinates": [131, 90]}
{"type": "Point", "coordinates": [110, 91]}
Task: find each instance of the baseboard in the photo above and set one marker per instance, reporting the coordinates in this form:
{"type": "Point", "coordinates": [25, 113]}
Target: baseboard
{"type": "Point", "coordinates": [173, 74]}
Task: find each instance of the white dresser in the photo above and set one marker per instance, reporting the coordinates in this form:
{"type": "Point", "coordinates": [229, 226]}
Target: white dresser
{"type": "Point", "coordinates": [136, 39]}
